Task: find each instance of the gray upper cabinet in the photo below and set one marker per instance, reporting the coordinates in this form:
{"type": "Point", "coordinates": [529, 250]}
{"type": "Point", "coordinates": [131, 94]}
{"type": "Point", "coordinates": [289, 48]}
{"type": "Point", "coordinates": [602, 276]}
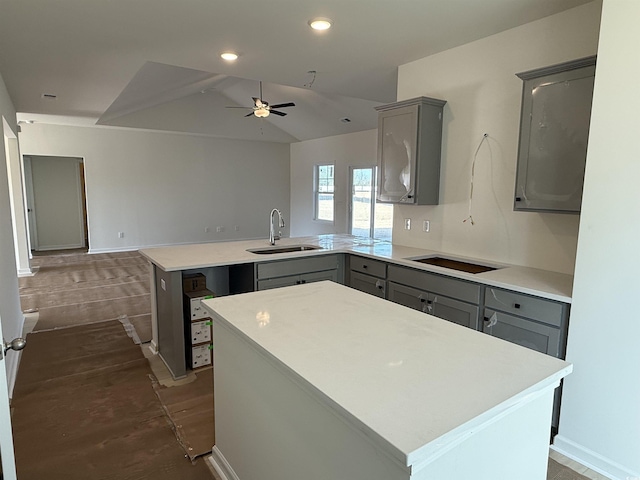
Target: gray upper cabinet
{"type": "Point", "coordinates": [554, 129]}
{"type": "Point", "coordinates": [409, 146]}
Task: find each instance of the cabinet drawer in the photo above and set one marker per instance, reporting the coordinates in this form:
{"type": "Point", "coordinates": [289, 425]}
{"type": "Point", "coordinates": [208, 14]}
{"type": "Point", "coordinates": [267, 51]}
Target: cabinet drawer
{"type": "Point", "coordinates": [368, 266]}
{"type": "Point", "coordinates": [297, 266]}
{"type": "Point", "coordinates": [438, 284]}
{"type": "Point", "coordinates": [546, 311]}
{"type": "Point", "coordinates": [533, 335]}
{"type": "Point", "coordinates": [367, 283]}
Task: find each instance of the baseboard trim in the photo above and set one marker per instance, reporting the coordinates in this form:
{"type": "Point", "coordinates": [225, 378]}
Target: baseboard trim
{"type": "Point", "coordinates": [113, 250]}
{"type": "Point", "coordinates": [153, 348]}
{"type": "Point", "coordinates": [25, 272]}
{"type": "Point", "coordinates": [221, 466]}
{"type": "Point", "coordinates": [592, 460]}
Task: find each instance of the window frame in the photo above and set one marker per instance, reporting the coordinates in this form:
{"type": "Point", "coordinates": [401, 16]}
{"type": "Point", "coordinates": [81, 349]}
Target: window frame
{"type": "Point", "coordinates": [317, 192]}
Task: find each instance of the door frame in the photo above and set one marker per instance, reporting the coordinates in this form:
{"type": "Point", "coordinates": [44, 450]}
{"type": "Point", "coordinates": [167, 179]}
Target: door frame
{"type": "Point", "coordinates": [81, 197]}
{"type": "Point", "coordinates": [373, 199]}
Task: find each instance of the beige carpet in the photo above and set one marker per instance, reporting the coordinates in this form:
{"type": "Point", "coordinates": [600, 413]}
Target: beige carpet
{"type": "Point", "coordinates": [77, 288]}
{"type": "Point", "coordinates": [84, 407]}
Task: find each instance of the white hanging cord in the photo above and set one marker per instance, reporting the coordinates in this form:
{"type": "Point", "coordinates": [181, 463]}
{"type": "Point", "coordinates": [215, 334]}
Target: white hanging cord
{"type": "Point", "coordinates": [473, 172]}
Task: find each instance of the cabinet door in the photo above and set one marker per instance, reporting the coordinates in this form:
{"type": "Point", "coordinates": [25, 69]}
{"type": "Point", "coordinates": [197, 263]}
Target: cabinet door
{"type": "Point", "coordinates": [554, 129]}
{"type": "Point", "coordinates": [455, 311]}
{"type": "Point", "coordinates": [407, 296]}
{"type": "Point", "coordinates": [397, 143]}
{"type": "Point", "coordinates": [367, 283]}
{"type": "Point", "coordinates": [527, 333]}
{"type": "Point", "coordinates": [283, 268]}
{"type": "Point", "coordinates": [319, 276]}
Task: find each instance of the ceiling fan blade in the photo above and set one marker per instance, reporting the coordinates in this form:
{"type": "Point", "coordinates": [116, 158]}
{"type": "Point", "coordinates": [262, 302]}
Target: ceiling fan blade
{"type": "Point", "coordinates": [282, 105]}
{"type": "Point", "coordinates": [239, 107]}
{"type": "Point", "coordinates": [275, 112]}
{"type": "Point", "coordinates": [249, 114]}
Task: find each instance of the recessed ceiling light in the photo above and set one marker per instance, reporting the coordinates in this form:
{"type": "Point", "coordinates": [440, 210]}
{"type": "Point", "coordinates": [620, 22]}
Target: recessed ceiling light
{"type": "Point", "coordinates": [320, 23]}
{"type": "Point", "coordinates": [229, 56]}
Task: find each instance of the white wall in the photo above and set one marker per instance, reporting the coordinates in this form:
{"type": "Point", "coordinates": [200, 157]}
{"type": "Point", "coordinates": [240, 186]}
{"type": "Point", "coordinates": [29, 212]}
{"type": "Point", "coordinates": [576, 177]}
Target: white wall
{"type": "Point", "coordinates": [483, 95]}
{"type": "Point", "coordinates": [160, 188]}
{"type": "Point", "coordinates": [10, 310]}
{"type": "Point", "coordinates": [600, 417]}
{"type": "Point", "coordinates": [353, 149]}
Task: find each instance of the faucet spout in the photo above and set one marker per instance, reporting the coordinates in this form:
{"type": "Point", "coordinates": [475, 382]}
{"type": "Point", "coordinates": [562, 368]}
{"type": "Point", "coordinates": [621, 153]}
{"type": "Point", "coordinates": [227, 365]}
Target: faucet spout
{"type": "Point", "coordinates": [272, 235]}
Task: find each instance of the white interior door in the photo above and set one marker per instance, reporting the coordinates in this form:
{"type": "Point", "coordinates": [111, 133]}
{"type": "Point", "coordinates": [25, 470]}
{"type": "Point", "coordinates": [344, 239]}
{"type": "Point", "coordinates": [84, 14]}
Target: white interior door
{"type": "Point", "coordinates": [6, 433]}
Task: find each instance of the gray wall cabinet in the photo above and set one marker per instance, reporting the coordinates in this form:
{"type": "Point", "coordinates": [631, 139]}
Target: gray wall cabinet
{"type": "Point", "coordinates": [554, 130]}
{"type": "Point", "coordinates": [409, 147]}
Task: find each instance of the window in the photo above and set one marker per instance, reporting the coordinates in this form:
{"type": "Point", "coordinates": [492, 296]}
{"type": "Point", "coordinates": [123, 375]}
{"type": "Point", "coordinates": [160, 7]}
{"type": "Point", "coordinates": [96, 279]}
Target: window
{"type": "Point", "coordinates": [368, 217]}
{"type": "Point", "coordinates": [323, 192]}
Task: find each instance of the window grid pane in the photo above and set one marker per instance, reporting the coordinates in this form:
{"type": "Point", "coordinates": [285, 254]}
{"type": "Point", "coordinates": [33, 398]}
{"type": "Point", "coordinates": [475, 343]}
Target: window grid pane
{"type": "Point", "coordinates": [324, 190]}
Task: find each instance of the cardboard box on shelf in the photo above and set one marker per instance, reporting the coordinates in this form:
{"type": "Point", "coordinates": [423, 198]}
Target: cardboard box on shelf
{"type": "Point", "coordinates": [194, 282]}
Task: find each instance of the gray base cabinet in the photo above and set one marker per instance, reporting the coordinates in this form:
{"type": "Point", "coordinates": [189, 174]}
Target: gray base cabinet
{"type": "Point", "coordinates": [439, 306]}
{"type": "Point", "coordinates": [532, 322]}
{"type": "Point", "coordinates": [454, 300]}
{"type": "Point", "coordinates": [367, 275]}
{"type": "Point", "coordinates": [284, 273]}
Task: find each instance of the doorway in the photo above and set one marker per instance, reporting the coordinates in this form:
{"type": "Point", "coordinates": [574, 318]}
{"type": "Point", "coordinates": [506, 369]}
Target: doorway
{"type": "Point", "coordinates": [56, 203]}
{"type": "Point", "coordinates": [368, 218]}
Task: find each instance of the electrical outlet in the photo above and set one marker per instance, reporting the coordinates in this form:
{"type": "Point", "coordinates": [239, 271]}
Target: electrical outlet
{"type": "Point", "coordinates": [207, 229]}
{"type": "Point", "coordinates": [426, 226]}
{"type": "Point", "coordinates": [237, 228]}
{"type": "Point", "coordinates": [219, 229]}
{"type": "Point", "coordinates": [120, 234]}
{"type": "Point", "coordinates": [407, 224]}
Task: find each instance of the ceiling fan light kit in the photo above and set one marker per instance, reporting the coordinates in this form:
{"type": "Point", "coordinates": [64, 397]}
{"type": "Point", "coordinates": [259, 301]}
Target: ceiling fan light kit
{"type": "Point", "coordinates": [262, 109]}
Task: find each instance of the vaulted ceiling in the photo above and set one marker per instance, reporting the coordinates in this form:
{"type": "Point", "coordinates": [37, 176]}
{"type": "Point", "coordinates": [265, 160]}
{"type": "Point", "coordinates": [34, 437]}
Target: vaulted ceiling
{"type": "Point", "coordinates": [156, 65]}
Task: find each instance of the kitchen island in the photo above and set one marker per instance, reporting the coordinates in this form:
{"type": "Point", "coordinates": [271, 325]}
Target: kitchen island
{"type": "Point", "coordinates": [320, 381]}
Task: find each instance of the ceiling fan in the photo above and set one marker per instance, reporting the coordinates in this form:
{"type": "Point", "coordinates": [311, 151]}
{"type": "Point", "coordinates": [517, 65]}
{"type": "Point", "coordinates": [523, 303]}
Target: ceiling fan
{"type": "Point", "coordinates": [262, 109]}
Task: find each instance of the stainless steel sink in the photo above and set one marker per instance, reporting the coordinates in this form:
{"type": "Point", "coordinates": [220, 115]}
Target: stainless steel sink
{"type": "Point", "coordinates": [454, 264]}
{"type": "Point", "coordinates": [283, 249]}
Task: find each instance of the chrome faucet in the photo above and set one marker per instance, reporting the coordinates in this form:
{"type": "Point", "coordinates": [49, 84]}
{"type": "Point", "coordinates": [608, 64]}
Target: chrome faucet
{"type": "Point", "coordinates": [272, 236]}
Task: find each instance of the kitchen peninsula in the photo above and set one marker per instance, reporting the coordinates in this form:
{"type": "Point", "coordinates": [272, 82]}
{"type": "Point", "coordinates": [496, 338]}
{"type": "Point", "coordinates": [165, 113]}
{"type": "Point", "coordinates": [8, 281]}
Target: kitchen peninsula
{"type": "Point", "coordinates": [320, 381]}
{"type": "Point", "coordinates": [232, 267]}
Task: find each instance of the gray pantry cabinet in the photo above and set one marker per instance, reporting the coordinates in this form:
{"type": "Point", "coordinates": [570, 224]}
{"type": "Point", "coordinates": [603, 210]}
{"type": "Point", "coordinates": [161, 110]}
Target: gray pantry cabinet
{"type": "Point", "coordinates": [409, 148]}
{"type": "Point", "coordinates": [457, 301]}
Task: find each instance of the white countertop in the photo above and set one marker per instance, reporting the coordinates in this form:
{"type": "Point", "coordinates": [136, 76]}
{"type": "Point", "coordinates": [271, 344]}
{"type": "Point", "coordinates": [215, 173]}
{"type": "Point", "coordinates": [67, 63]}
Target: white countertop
{"type": "Point", "coordinates": [411, 382]}
{"type": "Point", "coordinates": [550, 285]}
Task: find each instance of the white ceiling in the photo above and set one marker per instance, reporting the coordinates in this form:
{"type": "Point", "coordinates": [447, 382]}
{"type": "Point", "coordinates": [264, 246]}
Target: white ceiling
{"type": "Point", "coordinates": [145, 63]}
